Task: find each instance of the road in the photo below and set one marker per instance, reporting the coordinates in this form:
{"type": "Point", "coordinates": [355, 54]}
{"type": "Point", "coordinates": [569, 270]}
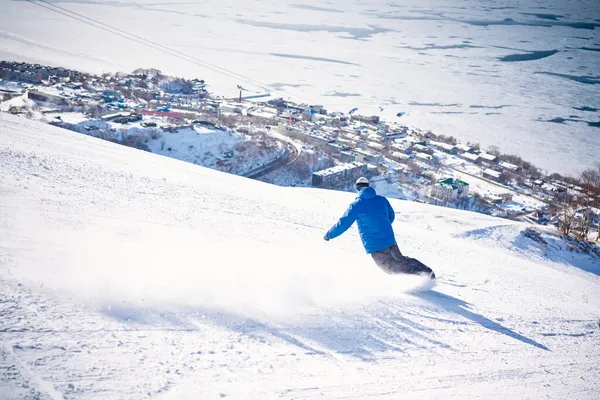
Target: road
{"type": "Point", "coordinates": [291, 154]}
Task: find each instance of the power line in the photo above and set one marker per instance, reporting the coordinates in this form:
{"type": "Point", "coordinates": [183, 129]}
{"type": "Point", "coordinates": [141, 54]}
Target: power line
{"type": "Point", "coordinates": [157, 46]}
{"type": "Point", "coordinates": [149, 43]}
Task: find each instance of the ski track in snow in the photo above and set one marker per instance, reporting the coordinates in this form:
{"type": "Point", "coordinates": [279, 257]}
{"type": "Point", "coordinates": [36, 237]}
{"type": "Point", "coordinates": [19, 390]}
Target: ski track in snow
{"type": "Point", "coordinates": [124, 274]}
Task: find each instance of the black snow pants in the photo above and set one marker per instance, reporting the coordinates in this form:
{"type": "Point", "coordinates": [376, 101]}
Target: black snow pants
{"type": "Point", "coordinates": [392, 261]}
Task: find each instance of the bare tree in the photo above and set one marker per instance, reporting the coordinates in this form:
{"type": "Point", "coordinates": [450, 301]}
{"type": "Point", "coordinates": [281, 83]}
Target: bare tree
{"type": "Point", "coordinates": [568, 217]}
{"type": "Point", "coordinates": [494, 150]}
{"type": "Point", "coordinates": [568, 213]}
{"type": "Point", "coordinates": [590, 180]}
{"type": "Point", "coordinates": [583, 224]}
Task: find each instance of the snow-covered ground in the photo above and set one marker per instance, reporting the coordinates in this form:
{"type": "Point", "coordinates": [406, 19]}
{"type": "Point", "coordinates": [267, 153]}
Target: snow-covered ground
{"type": "Point", "coordinates": [124, 274]}
{"type": "Point", "coordinates": [18, 101]}
{"type": "Point", "coordinates": [521, 75]}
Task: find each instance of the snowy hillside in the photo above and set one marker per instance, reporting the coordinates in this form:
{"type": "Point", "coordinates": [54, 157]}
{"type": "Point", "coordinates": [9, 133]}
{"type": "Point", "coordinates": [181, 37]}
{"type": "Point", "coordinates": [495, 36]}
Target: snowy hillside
{"type": "Point", "coordinates": [125, 274]}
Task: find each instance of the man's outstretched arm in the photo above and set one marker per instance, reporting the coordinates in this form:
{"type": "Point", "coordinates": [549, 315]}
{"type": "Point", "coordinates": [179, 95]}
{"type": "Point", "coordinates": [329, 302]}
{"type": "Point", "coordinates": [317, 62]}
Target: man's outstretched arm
{"type": "Point", "coordinates": [391, 212]}
{"type": "Point", "coordinates": [343, 224]}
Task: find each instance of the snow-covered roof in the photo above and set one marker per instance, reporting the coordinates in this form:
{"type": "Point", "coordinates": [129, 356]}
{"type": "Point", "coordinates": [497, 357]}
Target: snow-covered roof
{"type": "Point", "coordinates": [339, 168]}
{"type": "Point", "coordinates": [375, 145]}
{"type": "Point", "coordinates": [445, 146]}
{"type": "Point", "coordinates": [401, 156]}
{"type": "Point", "coordinates": [470, 156]}
{"type": "Point", "coordinates": [420, 147]}
{"type": "Point", "coordinates": [487, 156]}
{"type": "Point", "coordinates": [508, 165]}
{"type": "Point", "coordinates": [423, 156]}
{"type": "Point", "coordinates": [491, 172]}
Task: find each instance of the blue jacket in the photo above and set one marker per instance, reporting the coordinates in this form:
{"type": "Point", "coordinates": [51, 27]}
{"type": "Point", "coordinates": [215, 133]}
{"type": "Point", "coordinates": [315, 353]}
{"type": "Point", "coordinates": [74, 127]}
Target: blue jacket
{"type": "Point", "coordinates": [374, 216]}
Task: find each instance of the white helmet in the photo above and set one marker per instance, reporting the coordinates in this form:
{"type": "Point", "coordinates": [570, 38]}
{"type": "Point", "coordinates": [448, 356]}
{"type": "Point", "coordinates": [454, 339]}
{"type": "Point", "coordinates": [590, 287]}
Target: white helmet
{"type": "Point", "coordinates": [361, 183]}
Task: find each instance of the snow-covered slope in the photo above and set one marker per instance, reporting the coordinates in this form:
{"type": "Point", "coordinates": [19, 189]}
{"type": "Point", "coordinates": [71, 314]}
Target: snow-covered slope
{"type": "Point", "coordinates": [124, 274]}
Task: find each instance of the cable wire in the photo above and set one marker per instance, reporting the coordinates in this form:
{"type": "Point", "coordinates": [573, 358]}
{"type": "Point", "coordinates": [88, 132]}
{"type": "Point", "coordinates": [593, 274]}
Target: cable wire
{"type": "Point", "coordinates": [157, 46]}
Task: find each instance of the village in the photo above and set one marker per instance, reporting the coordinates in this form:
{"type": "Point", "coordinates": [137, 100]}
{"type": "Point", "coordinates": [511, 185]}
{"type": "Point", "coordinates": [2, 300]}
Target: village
{"type": "Point", "coordinates": [286, 143]}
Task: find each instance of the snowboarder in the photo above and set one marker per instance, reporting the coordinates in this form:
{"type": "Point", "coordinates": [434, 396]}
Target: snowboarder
{"type": "Point", "coordinates": [374, 216]}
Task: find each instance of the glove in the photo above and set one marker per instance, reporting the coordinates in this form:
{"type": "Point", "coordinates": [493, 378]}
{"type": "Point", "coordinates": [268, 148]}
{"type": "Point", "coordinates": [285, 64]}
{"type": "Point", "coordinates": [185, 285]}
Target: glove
{"type": "Point", "coordinates": [326, 238]}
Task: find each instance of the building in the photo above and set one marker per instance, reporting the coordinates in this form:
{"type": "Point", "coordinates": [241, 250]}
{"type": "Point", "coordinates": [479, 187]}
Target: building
{"type": "Point", "coordinates": [231, 108]}
{"type": "Point", "coordinates": [506, 197]}
{"type": "Point", "coordinates": [346, 142]}
{"type": "Point", "coordinates": [390, 136]}
{"type": "Point", "coordinates": [463, 148]}
{"type": "Point", "coordinates": [400, 157]}
{"type": "Point", "coordinates": [510, 167]}
{"type": "Point", "coordinates": [335, 148]}
{"type": "Point", "coordinates": [375, 146]}
{"type": "Point", "coordinates": [368, 157]}
{"type": "Point", "coordinates": [421, 148]}
{"type": "Point", "coordinates": [347, 157]}
{"type": "Point", "coordinates": [373, 119]}
{"type": "Point", "coordinates": [474, 158]}
{"type": "Point", "coordinates": [264, 112]}
{"type": "Point", "coordinates": [309, 115]}
{"type": "Point", "coordinates": [43, 97]}
{"type": "Point", "coordinates": [445, 147]}
{"type": "Point", "coordinates": [450, 189]}
{"type": "Point", "coordinates": [487, 157]}
{"type": "Point", "coordinates": [402, 147]}
{"type": "Point", "coordinates": [425, 158]}
{"type": "Point", "coordinates": [339, 175]}
{"type": "Point", "coordinates": [493, 175]}
{"type": "Point", "coordinates": [319, 109]}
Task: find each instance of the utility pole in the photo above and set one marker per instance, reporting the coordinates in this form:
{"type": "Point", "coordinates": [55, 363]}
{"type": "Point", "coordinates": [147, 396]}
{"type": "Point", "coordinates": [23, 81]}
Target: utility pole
{"type": "Point", "coordinates": [241, 89]}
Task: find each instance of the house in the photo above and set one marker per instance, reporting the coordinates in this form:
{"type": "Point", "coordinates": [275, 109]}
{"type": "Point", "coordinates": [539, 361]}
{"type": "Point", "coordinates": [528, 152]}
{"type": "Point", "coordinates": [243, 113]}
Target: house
{"type": "Point", "coordinates": [264, 112]}
{"type": "Point", "coordinates": [506, 197]}
{"type": "Point", "coordinates": [400, 157]}
{"type": "Point", "coordinates": [493, 175]}
{"type": "Point", "coordinates": [487, 157]}
{"type": "Point", "coordinates": [347, 157]}
{"type": "Point", "coordinates": [450, 189]}
{"type": "Point", "coordinates": [422, 148]}
{"type": "Point", "coordinates": [373, 137]}
{"type": "Point", "coordinates": [318, 109]}
{"type": "Point", "coordinates": [510, 167]}
{"type": "Point", "coordinates": [373, 119]}
{"type": "Point", "coordinates": [335, 147]}
{"type": "Point", "coordinates": [120, 116]}
{"type": "Point", "coordinates": [463, 148]}
{"type": "Point", "coordinates": [402, 147]}
{"type": "Point", "coordinates": [425, 158]}
{"type": "Point", "coordinates": [318, 139]}
{"type": "Point", "coordinates": [232, 108]}
{"type": "Point", "coordinates": [43, 97]}
{"type": "Point", "coordinates": [368, 157]}
{"type": "Point", "coordinates": [493, 199]}
{"type": "Point", "coordinates": [446, 147]}
{"type": "Point", "coordinates": [474, 158]}
{"type": "Point", "coordinates": [309, 115]}
{"type": "Point", "coordinates": [375, 146]}
{"type": "Point", "coordinates": [391, 136]}
{"type": "Point", "coordinates": [338, 175]}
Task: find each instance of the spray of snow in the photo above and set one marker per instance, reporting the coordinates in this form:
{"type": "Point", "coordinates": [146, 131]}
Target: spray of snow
{"type": "Point", "coordinates": [184, 269]}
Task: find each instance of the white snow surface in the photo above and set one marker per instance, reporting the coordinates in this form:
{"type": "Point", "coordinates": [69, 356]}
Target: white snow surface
{"type": "Point", "coordinates": [125, 274]}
